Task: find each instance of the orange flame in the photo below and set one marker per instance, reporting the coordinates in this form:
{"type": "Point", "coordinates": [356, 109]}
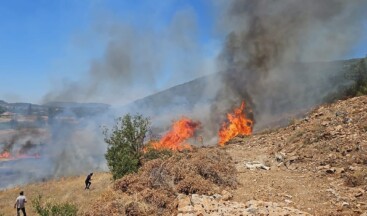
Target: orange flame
{"type": "Point", "coordinates": [176, 138]}
{"type": "Point", "coordinates": [237, 124]}
{"type": "Point", "coordinates": [7, 155]}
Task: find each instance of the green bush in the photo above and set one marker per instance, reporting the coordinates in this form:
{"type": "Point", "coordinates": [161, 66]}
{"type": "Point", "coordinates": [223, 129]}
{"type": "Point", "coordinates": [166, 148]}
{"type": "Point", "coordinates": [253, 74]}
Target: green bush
{"type": "Point", "coordinates": [125, 144]}
{"type": "Point", "coordinates": [52, 209]}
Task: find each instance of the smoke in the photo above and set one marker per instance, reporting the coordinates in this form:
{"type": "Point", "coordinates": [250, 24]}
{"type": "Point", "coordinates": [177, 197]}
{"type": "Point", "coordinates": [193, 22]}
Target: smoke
{"type": "Point", "coordinates": [138, 60]}
{"type": "Point", "coordinates": [263, 59]}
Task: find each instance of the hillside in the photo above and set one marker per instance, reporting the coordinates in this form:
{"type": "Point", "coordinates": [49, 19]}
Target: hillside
{"type": "Point", "coordinates": [316, 165]}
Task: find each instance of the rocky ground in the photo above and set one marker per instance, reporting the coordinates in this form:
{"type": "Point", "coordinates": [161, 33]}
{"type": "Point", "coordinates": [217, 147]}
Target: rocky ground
{"type": "Point", "coordinates": [317, 164]}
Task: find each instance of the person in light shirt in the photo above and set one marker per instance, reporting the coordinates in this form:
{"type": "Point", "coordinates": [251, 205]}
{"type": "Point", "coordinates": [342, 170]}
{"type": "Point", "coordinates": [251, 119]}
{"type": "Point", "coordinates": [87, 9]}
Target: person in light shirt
{"type": "Point", "coordinates": [20, 204]}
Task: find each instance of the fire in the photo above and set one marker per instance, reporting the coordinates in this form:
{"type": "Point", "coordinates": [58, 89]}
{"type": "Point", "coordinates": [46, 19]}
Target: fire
{"type": "Point", "coordinates": [238, 124]}
{"type": "Point", "coordinates": [176, 138]}
{"type": "Point", "coordinates": [7, 155]}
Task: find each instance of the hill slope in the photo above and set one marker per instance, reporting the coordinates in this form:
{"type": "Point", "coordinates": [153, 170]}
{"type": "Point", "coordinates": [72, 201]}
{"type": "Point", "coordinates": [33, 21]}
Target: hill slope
{"type": "Point", "coordinates": [318, 166]}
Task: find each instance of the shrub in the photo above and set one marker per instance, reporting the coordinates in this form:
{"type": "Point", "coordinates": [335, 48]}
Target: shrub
{"type": "Point", "coordinates": [125, 144]}
{"type": "Point", "coordinates": [54, 209]}
{"type": "Point", "coordinates": [358, 73]}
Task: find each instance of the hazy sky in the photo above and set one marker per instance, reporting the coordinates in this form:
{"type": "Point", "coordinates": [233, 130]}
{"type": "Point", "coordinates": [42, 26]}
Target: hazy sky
{"type": "Point", "coordinates": [43, 42]}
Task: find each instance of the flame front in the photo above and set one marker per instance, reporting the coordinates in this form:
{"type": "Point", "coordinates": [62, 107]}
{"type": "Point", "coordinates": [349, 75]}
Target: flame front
{"type": "Point", "coordinates": [7, 155]}
{"type": "Point", "coordinates": [238, 124]}
{"type": "Point", "coordinates": [176, 138]}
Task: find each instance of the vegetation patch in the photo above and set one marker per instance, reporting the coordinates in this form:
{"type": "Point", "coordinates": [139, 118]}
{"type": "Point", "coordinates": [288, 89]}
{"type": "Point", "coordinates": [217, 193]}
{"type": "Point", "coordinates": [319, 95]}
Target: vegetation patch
{"type": "Point", "coordinates": [53, 209]}
{"type": "Point", "coordinates": [158, 182]}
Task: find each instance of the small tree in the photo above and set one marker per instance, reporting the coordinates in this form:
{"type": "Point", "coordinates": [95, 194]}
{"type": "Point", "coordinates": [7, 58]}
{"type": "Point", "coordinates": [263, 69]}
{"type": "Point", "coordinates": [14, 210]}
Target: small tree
{"type": "Point", "coordinates": [125, 144]}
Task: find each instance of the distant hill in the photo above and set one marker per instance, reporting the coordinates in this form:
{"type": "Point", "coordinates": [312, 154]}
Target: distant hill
{"type": "Point", "coordinates": [80, 109]}
{"type": "Point", "coordinates": [186, 97]}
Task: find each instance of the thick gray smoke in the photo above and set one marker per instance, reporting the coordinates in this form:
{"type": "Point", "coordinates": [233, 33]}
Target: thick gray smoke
{"type": "Point", "coordinates": [263, 61]}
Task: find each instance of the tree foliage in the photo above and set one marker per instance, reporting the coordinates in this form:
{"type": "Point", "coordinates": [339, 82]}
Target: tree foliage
{"type": "Point", "coordinates": [125, 144]}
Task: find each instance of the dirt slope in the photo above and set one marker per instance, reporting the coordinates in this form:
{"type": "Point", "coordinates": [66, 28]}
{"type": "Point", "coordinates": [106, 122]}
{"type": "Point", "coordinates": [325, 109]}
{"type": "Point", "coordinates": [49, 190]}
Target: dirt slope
{"type": "Point", "coordinates": [318, 164]}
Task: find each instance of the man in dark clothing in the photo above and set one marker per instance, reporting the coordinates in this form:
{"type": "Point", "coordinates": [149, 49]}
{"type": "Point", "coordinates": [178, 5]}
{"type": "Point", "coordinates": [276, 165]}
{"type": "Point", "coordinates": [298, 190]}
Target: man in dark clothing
{"type": "Point", "coordinates": [87, 181]}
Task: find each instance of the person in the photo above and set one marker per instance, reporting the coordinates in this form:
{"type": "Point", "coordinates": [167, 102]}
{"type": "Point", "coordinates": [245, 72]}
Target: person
{"type": "Point", "coordinates": [87, 181]}
{"type": "Point", "coordinates": [20, 203]}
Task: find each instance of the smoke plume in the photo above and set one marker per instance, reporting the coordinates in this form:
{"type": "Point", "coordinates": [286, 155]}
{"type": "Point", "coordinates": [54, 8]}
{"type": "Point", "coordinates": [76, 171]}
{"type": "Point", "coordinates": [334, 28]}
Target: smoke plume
{"type": "Point", "coordinates": [263, 59]}
{"type": "Point", "coordinates": [138, 60]}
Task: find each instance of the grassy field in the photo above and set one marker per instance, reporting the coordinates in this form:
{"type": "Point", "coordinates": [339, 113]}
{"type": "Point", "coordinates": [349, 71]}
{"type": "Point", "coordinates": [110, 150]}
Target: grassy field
{"type": "Point", "coordinates": [69, 189]}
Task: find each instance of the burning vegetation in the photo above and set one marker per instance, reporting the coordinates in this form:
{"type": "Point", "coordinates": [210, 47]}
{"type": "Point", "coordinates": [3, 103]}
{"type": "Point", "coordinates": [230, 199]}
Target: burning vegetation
{"type": "Point", "coordinates": [8, 156]}
{"type": "Point", "coordinates": [238, 124]}
{"type": "Point", "coordinates": [176, 138]}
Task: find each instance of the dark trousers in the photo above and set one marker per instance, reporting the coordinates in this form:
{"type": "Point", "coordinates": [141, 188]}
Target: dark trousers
{"type": "Point", "coordinates": [87, 184]}
{"type": "Point", "coordinates": [23, 210]}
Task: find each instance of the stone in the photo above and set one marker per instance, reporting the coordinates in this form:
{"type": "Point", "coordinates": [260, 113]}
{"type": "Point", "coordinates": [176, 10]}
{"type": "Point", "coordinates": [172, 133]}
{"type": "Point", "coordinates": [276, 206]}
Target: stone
{"type": "Point", "coordinates": [256, 165]}
{"type": "Point", "coordinates": [226, 195]}
{"type": "Point", "coordinates": [338, 128]}
{"type": "Point", "coordinates": [331, 171]}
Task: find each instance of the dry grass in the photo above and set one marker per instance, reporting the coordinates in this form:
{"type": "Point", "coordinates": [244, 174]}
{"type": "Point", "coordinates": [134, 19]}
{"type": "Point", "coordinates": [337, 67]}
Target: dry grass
{"type": "Point", "coordinates": [69, 189]}
{"type": "Point", "coordinates": [153, 190]}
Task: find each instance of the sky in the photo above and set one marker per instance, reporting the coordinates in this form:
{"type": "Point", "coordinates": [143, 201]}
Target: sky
{"type": "Point", "coordinates": [43, 42]}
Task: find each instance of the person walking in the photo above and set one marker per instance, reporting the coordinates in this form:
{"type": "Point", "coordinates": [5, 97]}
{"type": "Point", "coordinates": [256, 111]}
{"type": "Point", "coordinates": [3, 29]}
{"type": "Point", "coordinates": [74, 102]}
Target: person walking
{"type": "Point", "coordinates": [20, 204]}
{"type": "Point", "coordinates": [88, 181]}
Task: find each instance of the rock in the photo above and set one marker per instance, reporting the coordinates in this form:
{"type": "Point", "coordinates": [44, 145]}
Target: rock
{"type": "Point", "coordinates": [226, 195]}
{"type": "Point", "coordinates": [331, 171]}
{"type": "Point", "coordinates": [338, 128]}
{"type": "Point", "coordinates": [345, 204]}
{"type": "Point", "coordinates": [324, 123]}
{"type": "Point", "coordinates": [280, 157]}
{"type": "Point", "coordinates": [327, 166]}
{"type": "Point", "coordinates": [256, 165]}
{"type": "Point", "coordinates": [288, 196]}
{"type": "Point", "coordinates": [339, 170]}
{"type": "Point", "coordinates": [288, 201]}
{"type": "Point", "coordinates": [359, 193]}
